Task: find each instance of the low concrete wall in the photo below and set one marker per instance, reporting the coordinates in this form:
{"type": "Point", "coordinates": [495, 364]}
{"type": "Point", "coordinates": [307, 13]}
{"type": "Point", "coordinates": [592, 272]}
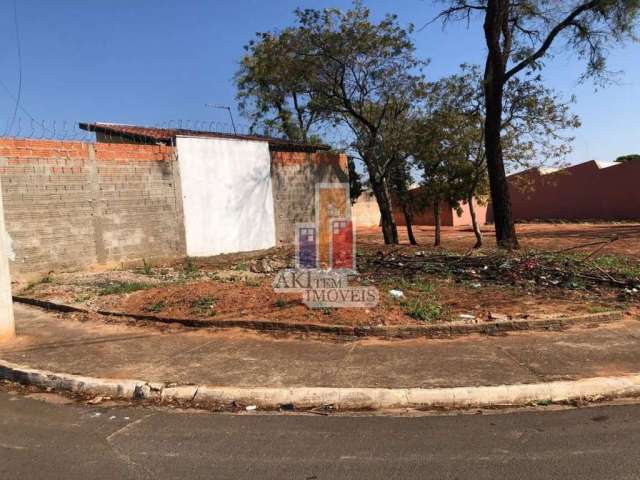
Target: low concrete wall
{"type": "Point", "coordinates": [73, 204]}
{"type": "Point", "coordinates": [365, 210]}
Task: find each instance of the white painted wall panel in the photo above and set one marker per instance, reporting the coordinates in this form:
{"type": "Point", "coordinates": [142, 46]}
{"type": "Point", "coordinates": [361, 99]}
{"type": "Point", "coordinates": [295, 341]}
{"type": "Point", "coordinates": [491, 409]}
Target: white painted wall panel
{"type": "Point", "coordinates": [227, 195]}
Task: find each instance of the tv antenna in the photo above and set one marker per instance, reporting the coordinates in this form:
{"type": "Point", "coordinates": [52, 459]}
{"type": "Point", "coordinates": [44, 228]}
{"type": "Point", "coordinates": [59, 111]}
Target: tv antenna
{"type": "Point", "coordinates": [227, 108]}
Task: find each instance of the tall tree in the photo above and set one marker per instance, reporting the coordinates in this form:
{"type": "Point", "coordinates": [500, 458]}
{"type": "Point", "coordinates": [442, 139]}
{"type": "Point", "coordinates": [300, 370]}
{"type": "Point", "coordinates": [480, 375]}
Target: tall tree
{"type": "Point", "coordinates": [435, 151]}
{"type": "Point", "coordinates": [519, 35]}
{"type": "Point", "coordinates": [461, 96]}
{"type": "Point", "coordinates": [340, 68]}
{"type": "Point", "coordinates": [272, 86]}
{"type": "Point", "coordinates": [534, 129]}
{"type": "Point", "coordinates": [401, 181]}
{"type": "Point", "coordinates": [367, 79]}
{"type": "Point", "coordinates": [628, 158]}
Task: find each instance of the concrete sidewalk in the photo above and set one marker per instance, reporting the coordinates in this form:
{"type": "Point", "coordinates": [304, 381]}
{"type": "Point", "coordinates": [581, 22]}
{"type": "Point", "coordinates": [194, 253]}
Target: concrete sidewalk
{"type": "Point", "coordinates": [244, 359]}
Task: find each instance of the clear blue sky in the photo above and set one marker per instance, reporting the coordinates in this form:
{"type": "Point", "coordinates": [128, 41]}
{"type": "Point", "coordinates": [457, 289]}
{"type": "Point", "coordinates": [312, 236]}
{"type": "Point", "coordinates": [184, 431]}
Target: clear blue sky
{"type": "Point", "coordinates": [151, 61]}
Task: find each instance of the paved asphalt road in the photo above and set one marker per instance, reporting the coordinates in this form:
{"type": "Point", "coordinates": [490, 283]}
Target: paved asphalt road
{"type": "Point", "coordinates": [44, 440]}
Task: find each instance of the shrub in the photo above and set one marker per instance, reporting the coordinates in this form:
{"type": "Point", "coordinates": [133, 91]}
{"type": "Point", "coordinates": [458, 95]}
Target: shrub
{"type": "Point", "coordinates": [423, 311]}
{"type": "Point", "coordinates": [120, 288]}
{"type": "Point", "coordinates": [156, 307]}
{"type": "Point", "coordinates": [203, 305]}
{"type": "Point", "coordinates": [280, 303]}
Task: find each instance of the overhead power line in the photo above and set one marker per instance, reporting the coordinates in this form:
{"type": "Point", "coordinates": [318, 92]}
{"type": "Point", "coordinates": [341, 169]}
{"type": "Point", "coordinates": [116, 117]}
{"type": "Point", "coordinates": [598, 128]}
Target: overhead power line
{"type": "Point", "coordinates": [19, 95]}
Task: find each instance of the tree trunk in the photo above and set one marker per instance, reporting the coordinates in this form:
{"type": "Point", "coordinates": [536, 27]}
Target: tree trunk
{"type": "Point", "coordinates": [389, 228]}
{"type": "Point", "coordinates": [494, 83]}
{"type": "Point", "coordinates": [408, 219]}
{"type": "Point", "coordinates": [438, 221]}
{"type": "Point", "coordinates": [474, 223]}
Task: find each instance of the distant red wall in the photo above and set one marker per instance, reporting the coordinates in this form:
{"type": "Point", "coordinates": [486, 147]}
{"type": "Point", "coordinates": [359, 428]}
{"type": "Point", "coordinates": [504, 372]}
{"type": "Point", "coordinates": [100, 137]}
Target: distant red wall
{"type": "Point", "coordinates": [425, 217]}
{"type": "Point", "coordinates": [449, 216]}
{"type": "Point", "coordinates": [465, 215]}
{"type": "Point", "coordinates": [580, 192]}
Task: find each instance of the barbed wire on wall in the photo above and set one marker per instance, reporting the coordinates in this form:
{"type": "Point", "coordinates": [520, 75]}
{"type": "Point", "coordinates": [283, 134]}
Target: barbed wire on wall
{"type": "Point", "coordinates": [47, 129]}
{"type": "Point", "coordinates": [205, 126]}
{"type": "Point", "coordinates": [29, 127]}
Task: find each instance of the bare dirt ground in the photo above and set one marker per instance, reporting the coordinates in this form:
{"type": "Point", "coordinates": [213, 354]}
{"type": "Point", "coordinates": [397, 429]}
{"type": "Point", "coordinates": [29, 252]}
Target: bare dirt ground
{"type": "Point", "coordinates": [539, 236]}
{"type": "Point", "coordinates": [549, 276]}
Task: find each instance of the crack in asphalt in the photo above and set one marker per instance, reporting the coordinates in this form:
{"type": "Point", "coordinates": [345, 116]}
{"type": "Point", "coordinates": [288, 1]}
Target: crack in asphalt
{"type": "Point", "coordinates": [126, 458]}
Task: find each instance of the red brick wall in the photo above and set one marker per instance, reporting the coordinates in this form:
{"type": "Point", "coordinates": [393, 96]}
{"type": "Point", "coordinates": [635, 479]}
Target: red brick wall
{"type": "Point", "coordinates": [448, 215]}
{"type": "Point", "coordinates": [425, 216]}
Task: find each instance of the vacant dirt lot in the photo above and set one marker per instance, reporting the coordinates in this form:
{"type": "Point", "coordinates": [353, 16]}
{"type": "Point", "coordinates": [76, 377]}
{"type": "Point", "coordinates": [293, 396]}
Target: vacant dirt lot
{"type": "Point", "coordinates": [544, 236]}
{"type": "Point", "coordinates": [547, 277]}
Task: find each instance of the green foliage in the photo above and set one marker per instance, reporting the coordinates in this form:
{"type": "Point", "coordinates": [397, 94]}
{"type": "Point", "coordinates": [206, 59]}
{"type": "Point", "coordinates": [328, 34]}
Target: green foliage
{"type": "Point", "coordinates": [424, 287]}
{"type": "Point", "coordinates": [121, 288]}
{"type": "Point", "coordinates": [533, 133]}
{"type": "Point", "coordinates": [587, 29]}
{"type": "Point", "coordinates": [628, 158]}
{"type": "Point", "coordinates": [48, 279]}
{"type": "Point", "coordinates": [536, 124]}
{"type": "Point", "coordinates": [616, 264]}
{"type": "Point", "coordinates": [156, 307]}
{"type": "Point", "coordinates": [190, 266]}
{"type": "Point", "coordinates": [337, 69]}
{"type": "Point", "coordinates": [421, 303]}
{"type": "Point", "coordinates": [203, 306]}
{"type": "Point", "coordinates": [146, 267]}
{"type": "Point", "coordinates": [280, 303]}
{"type": "Point", "coordinates": [355, 182]}
{"type": "Point", "coordinates": [83, 297]}
{"type": "Point", "coordinates": [518, 35]}
{"type": "Point", "coordinates": [252, 282]}
{"type": "Point", "coordinates": [599, 309]}
{"type": "Point", "coordinates": [241, 267]}
{"type": "Point", "coordinates": [420, 285]}
{"type": "Point", "coordinates": [423, 310]}
{"type": "Point", "coordinates": [272, 85]}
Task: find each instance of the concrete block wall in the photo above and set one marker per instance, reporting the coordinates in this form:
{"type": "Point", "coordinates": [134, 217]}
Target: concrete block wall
{"type": "Point", "coordinates": [140, 208]}
{"type": "Point", "coordinates": [71, 204]}
{"type": "Point", "coordinates": [48, 209]}
{"type": "Point", "coordinates": [294, 176]}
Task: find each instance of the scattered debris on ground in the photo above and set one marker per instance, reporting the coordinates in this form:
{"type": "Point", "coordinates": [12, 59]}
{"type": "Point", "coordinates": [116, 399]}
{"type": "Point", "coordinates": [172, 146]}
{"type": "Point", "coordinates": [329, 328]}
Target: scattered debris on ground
{"type": "Point", "coordinates": [417, 285]}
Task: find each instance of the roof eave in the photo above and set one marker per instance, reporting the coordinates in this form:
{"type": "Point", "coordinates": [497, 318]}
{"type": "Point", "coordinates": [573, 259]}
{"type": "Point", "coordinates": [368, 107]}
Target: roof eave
{"type": "Point", "coordinates": [274, 144]}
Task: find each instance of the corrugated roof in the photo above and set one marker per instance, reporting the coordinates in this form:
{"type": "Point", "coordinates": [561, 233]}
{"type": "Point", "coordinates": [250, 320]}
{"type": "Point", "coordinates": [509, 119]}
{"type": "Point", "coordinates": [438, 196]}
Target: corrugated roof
{"type": "Point", "coordinates": [167, 135]}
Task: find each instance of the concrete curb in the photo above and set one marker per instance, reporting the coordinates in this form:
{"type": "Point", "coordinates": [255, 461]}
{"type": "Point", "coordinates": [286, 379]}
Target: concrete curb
{"type": "Point", "coordinates": [63, 382]}
{"type": "Point", "coordinates": [401, 332]}
{"type": "Point", "coordinates": [302, 398]}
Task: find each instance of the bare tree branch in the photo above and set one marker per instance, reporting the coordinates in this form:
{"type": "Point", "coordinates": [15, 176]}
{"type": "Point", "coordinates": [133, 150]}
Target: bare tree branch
{"type": "Point", "coordinates": [567, 22]}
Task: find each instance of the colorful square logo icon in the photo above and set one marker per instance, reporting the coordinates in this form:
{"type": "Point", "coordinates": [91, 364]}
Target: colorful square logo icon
{"type": "Point", "coordinates": [329, 243]}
